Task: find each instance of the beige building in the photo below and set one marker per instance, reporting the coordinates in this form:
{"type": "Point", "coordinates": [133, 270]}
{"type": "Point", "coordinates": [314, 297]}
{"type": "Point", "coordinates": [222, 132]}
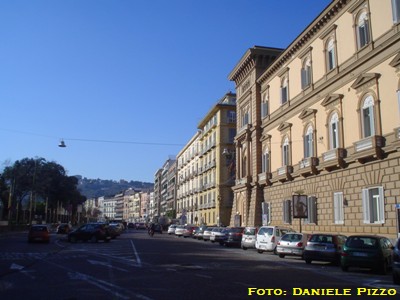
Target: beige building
{"type": "Point", "coordinates": [205, 171]}
{"type": "Point", "coordinates": [320, 119]}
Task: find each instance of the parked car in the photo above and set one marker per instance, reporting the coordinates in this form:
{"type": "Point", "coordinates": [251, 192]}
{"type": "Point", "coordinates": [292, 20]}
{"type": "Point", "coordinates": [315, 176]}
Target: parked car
{"type": "Point", "coordinates": [234, 236]}
{"type": "Point", "coordinates": [217, 231]}
{"type": "Point", "coordinates": [207, 233]}
{"type": "Point", "coordinates": [367, 251]}
{"type": "Point", "coordinates": [64, 228]}
{"type": "Point", "coordinates": [249, 238]}
{"type": "Point", "coordinates": [179, 230]}
{"type": "Point", "coordinates": [268, 236]}
{"type": "Point", "coordinates": [171, 229]}
{"type": "Point", "coordinates": [119, 227]}
{"type": "Point", "coordinates": [199, 232]}
{"type": "Point", "coordinates": [141, 226]}
{"type": "Point", "coordinates": [188, 230]}
{"type": "Point", "coordinates": [114, 230]}
{"type": "Point", "coordinates": [324, 247]}
{"type": "Point", "coordinates": [90, 232]}
{"type": "Point", "coordinates": [131, 225]}
{"type": "Point", "coordinates": [39, 233]}
{"type": "Point", "coordinates": [396, 263]}
{"type": "Point", "coordinates": [292, 244]}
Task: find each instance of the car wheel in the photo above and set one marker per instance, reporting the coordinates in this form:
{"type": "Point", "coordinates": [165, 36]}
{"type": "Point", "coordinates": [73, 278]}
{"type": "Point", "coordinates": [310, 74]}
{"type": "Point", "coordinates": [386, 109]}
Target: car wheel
{"type": "Point", "coordinates": [308, 261]}
{"type": "Point", "coordinates": [107, 240]}
{"type": "Point", "coordinates": [344, 268]}
{"type": "Point", "coordinates": [221, 244]}
{"type": "Point", "coordinates": [244, 248]}
{"type": "Point", "coordinates": [260, 251]}
{"type": "Point", "coordinates": [281, 255]}
{"type": "Point", "coordinates": [93, 239]}
{"type": "Point", "coordinates": [275, 252]}
{"type": "Point", "coordinates": [72, 239]}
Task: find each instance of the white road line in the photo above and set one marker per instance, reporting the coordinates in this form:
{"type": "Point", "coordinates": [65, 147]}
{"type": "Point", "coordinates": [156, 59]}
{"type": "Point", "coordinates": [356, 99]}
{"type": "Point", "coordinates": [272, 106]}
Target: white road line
{"type": "Point", "coordinates": [138, 261]}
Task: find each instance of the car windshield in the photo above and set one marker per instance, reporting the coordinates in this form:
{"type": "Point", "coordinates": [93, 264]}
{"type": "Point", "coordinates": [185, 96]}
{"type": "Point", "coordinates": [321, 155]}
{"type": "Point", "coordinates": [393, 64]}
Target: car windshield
{"type": "Point", "coordinates": [236, 230]}
{"type": "Point", "coordinates": [362, 242]}
{"type": "Point", "coordinates": [292, 237]}
{"type": "Point", "coordinates": [328, 239]}
{"type": "Point", "coordinates": [39, 228]}
{"type": "Point", "coordinates": [249, 231]}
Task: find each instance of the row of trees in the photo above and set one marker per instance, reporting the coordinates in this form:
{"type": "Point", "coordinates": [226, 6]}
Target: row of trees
{"type": "Point", "coordinates": [38, 187]}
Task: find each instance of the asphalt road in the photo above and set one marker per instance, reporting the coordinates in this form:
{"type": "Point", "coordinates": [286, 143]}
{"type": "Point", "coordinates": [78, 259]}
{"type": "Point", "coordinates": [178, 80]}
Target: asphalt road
{"type": "Point", "coordinates": [136, 266]}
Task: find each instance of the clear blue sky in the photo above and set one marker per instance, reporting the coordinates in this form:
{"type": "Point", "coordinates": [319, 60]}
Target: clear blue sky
{"type": "Point", "coordinates": [124, 82]}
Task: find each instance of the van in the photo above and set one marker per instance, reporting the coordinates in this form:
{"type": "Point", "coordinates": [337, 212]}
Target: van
{"type": "Point", "coordinates": [267, 237]}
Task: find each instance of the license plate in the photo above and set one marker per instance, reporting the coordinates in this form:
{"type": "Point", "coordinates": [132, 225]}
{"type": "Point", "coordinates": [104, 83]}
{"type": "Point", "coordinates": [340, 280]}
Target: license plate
{"type": "Point", "coordinates": [361, 254]}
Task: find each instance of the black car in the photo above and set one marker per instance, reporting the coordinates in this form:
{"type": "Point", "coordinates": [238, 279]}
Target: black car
{"type": "Point", "coordinates": [396, 263]}
{"type": "Point", "coordinates": [90, 232]}
{"type": "Point", "coordinates": [63, 228]}
{"type": "Point", "coordinates": [234, 237]}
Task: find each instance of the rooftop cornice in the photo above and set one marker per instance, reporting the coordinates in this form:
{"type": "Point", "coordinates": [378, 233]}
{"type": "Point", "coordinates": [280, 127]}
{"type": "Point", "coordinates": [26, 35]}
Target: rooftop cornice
{"type": "Point", "coordinates": [318, 24]}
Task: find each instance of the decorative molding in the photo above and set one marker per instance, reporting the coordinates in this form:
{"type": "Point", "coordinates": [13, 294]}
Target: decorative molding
{"type": "Point", "coordinates": [365, 78]}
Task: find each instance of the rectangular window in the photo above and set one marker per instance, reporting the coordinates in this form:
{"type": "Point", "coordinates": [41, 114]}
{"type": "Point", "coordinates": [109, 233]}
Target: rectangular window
{"type": "Point", "coordinates": [396, 11]}
{"type": "Point", "coordinates": [232, 134]}
{"type": "Point", "coordinates": [338, 209]}
{"type": "Point", "coordinates": [287, 211]}
{"type": "Point", "coordinates": [373, 205]}
{"type": "Point", "coordinates": [312, 210]}
{"type": "Point", "coordinates": [231, 115]}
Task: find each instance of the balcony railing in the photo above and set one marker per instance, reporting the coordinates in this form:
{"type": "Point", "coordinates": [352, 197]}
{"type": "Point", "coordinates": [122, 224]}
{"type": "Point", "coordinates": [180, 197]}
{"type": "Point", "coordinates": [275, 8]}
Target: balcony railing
{"type": "Point", "coordinates": [369, 148]}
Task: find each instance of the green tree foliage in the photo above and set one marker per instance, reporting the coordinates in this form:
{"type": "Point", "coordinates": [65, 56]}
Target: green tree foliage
{"type": "Point", "coordinates": [46, 181]}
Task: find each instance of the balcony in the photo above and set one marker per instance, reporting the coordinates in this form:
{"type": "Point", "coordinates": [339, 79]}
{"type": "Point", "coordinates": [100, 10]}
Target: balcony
{"type": "Point", "coordinates": [369, 148]}
{"type": "Point", "coordinates": [334, 159]}
{"type": "Point", "coordinates": [265, 178]}
{"type": "Point", "coordinates": [243, 181]}
{"type": "Point", "coordinates": [284, 173]}
{"type": "Point", "coordinates": [308, 166]}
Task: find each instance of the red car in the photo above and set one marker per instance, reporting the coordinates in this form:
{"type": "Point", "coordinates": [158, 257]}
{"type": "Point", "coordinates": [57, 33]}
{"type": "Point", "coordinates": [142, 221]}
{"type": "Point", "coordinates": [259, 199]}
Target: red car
{"type": "Point", "coordinates": [39, 233]}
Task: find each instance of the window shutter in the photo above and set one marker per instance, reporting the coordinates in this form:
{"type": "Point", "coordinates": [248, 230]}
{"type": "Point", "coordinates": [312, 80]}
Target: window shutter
{"type": "Point", "coordinates": [303, 78]}
{"type": "Point", "coordinates": [381, 205]}
{"type": "Point", "coordinates": [396, 10]}
{"type": "Point", "coordinates": [312, 209]}
{"type": "Point", "coordinates": [365, 201]}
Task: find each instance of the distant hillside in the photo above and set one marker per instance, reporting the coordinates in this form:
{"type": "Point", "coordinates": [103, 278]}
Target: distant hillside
{"type": "Point", "coordinates": [93, 188]}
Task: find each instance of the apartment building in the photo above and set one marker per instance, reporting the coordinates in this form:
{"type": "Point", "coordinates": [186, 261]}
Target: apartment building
{"type": "Point", "coordinates": [318, 125]}
{"type": "Point", "coordinates": [206, 167]}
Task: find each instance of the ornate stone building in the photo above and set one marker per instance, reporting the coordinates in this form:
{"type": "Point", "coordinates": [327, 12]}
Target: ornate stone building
{"type": "Point", "coordinates": [321, 119]}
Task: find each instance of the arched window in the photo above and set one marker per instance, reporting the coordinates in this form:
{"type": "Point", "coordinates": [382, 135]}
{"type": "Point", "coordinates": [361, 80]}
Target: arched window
{"type": "Point", "coordinates": [330, 54]}
{"type": "Point", "coordinates": [309, 142]}
{"type": "Point", "coordinates": [334, 131]}
{"type": "Point", "coordinates": [285, 152]}
{"type": "Point", "coordinates": [306, 73]}
{"type": "Point", "coordinates": [264, 105]}
{"type": "Point", "coordinates": [265, 165]}
{"type": "Point", "coordinates": [368, 117]}
{"type": "Point", "coordinates": [362, 29]}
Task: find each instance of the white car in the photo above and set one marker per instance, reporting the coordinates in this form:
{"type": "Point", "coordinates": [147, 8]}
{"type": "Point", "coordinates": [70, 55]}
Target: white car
{"type": "Point", "coordinates": [179, 230]}
{"type": "Point", "coordinates": [268, 236]}
{"type": "Point", "coordinates": [171, 229]}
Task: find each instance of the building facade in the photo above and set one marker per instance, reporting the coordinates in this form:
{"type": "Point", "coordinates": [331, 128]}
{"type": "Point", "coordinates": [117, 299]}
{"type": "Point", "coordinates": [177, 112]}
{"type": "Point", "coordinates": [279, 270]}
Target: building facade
{"type": "Point", "coordinates": [319, 127]}
{"type": "Point", "coordinates": [206, 167]}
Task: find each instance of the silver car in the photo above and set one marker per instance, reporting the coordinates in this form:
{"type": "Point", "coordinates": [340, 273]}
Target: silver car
{"type": "Point", "coordinates": [179, 230]}
{"type": "Point", "coordinates": [249, 238]}
{"type": "Point", "coordinates": [292, 244]}
{"type": "Point", "coordinates": [207, 233]}
{"type": "Point", "coordinates": [171, 229]}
